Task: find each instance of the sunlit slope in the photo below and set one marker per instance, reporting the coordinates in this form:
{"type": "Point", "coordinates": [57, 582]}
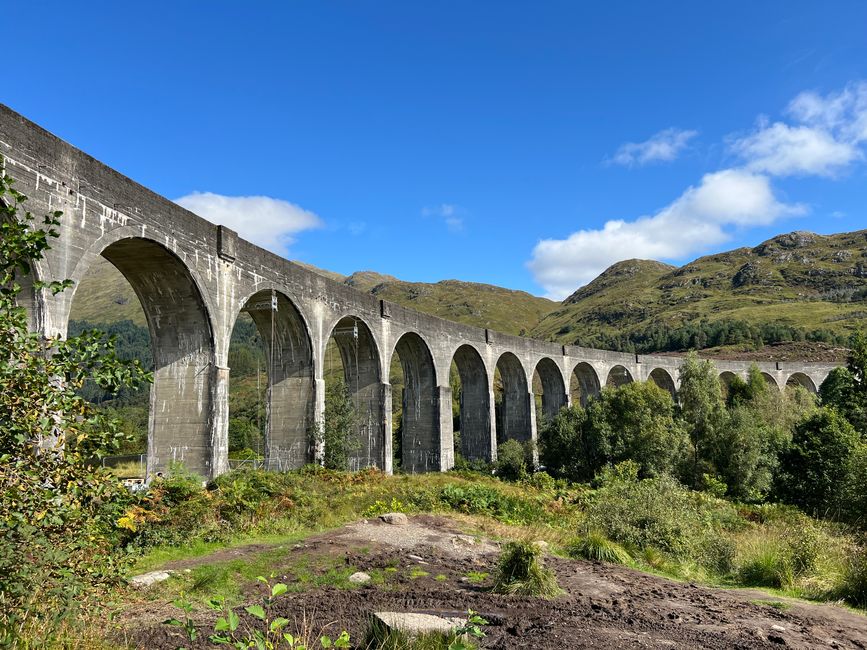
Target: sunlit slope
{"type": "Point", "coordinates": [799, 279]}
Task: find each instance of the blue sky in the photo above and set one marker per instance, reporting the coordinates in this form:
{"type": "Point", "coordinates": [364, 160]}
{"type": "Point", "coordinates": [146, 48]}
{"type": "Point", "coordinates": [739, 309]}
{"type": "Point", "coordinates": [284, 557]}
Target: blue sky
{"type": "Point", "coordinates": [524, 144]}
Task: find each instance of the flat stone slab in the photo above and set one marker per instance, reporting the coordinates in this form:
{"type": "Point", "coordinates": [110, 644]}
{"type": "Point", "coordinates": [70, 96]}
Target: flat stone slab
{"type": "Point", "coordinates": [413, 624]}
{"type": "Point", "coordinates": [145, 580]}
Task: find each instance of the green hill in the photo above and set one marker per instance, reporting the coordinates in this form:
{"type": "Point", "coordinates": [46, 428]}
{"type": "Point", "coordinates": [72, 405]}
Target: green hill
{"type": "Point", "coordinates": [792, 287]}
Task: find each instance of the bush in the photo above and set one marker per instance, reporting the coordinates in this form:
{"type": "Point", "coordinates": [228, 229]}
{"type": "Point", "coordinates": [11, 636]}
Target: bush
{"type": "Point", "coordinates": [815, 465]}
{"type": "Point", "coordinates": [656, 513]}
{"type": "Point", "coordinates": [511, 461]}
{"type": "Point", "coordinates": [521, 571]}
{"type": "Point", "coordinates": [854, 586]}
{"type": "Point", "coordinates": [336, 433]}
{"type": "Point", "coordinates": [57, 511]}
{"type": "Point", "coordinates": [595, 546]}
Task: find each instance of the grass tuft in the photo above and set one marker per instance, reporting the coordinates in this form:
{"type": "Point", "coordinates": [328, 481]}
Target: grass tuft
{"type": "Point", "coordinates": [521, 571]}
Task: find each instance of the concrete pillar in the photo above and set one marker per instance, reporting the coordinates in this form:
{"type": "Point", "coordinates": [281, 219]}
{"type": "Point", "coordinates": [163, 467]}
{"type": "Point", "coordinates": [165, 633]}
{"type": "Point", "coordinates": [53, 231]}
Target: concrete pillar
{"type": "Point", "coordinates": [446, 429]}
{"type": "Point", "coordinates": [220, 422]}
{"type": "Point", "coordinates": [388, 422]}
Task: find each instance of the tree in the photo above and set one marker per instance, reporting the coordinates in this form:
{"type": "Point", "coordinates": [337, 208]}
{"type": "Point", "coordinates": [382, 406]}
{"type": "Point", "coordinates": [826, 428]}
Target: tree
{"type": "Point", "coordinates": [336, 433]}
{"type": "Point", "coordinates": [562, 449]}
{"type": "Point", "coordinates": [634, 422]}
{"type": "Point", "coordinates": [57, 510]}
{"type": "Point", "coordinates": [702, 411]}
{"type": "Point", "coordinates": [816, 464]}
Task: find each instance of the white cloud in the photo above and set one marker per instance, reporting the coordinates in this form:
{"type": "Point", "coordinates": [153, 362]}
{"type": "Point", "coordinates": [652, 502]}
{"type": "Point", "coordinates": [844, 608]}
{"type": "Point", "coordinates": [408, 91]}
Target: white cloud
{"type": "Point", "coordinates": [664, 146]}
{"type": "Point", "coordinates": [265, 221]}
{"type": "Point", "coordinates": [783, 150]}
{"type": "Point", "coordinates": [696, 220]}
{"type": "Point", "coordinates": [452, 215]}
{"type": "Point", "coordinates": [826, 138]}
{"type": "Point", "coordinates": [843, 113]}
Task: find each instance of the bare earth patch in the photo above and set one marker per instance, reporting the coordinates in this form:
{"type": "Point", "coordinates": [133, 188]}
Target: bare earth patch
{"type": "Point", "coordinates": [430, 567]}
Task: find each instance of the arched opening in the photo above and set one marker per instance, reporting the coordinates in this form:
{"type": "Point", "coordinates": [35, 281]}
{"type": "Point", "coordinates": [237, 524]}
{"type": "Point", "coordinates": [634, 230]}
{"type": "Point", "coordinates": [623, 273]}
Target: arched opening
{"type": "Point", "coordinates": [584, 384]}
{"type": "Point", "coordinates": [179, 342]}
{"type": "Point", "coordinates": [548, 390]}
{"type": "Point", "coordinates": [288, 366]}
{"type": "Point", "coordinates": [725, 381]}
{"type": "Point", "coordinates": [662, 379]}
{"type": "Point", "coordinates": [771, 381]}
{"type": "Point", "coordinates": [802, 380]}
{"type": "Point", "coordinates": [512, 400]}
{"type": "Point", "coordinates": [352, 363]}
{"type": "Point", "coordinates": [419, 440]}
{"type": "Point", "coordinates": [473, 422]}
{"type": "Point", "coordinates": [618, 376]}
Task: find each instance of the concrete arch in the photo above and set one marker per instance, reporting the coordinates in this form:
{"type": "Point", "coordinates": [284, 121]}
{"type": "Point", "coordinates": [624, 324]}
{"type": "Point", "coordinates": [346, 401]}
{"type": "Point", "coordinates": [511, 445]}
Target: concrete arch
{"type": "Point", "coordinates": [583, 384]}
{"type": "Point", "coordinates": [661, 378]}
{"type": "Point", "coordinates": [513, 412]}
{"type": "Point", "coordinates": [770, 379]}
{"type": "Point", "coordinates": [291, 395]}
{"type": "Point", "coordinates": [475, 404]}
{"type": "Point", "coordinates": [420, 428]}
{"type": "Point", "coordinates": [182, 425]}
{"type": "Point", "coordinates": [618, 376]}
{"type": "Point", "coordinates": [360, 357]}
{"type": "Point", "coordinates": [726, 377]}
{"type": "Point", "coordinates": [801, 379]}
{"type": "Point", "coordinates": [553, 388]}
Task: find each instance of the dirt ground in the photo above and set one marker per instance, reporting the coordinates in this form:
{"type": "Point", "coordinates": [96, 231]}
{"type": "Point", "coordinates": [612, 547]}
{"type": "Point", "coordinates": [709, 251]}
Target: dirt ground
{"type": "Point", "coordinates": [431, 567]}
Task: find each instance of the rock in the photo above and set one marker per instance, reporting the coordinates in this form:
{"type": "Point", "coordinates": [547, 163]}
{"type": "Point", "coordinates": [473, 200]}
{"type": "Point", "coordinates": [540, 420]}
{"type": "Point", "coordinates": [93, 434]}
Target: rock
{"type": "Point", "coordinates": [463, 540]}
{"type": "Point", "coordinates": [359, 578]}
{"type": "Point", "coordinates": [145, 580]}
{"type": "Point", "coordinates": [394, 518]}
{"type": "Point", "coordinates": [416, 558]}
{"type": "Point", "coordinates": [541, 544]}
{"type": "Point", "coordinates": [778, 628]}
{"type": "Point", "coordinates": [414, 624]}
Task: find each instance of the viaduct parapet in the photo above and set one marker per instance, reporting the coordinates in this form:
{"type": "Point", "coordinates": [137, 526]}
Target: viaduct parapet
{"type": "Point", "coordinates": [194, 278]}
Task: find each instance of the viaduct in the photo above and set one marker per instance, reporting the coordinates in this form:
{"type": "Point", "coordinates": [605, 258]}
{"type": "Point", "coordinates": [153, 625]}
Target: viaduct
{"type": "Point", "coordinates": [194, 278]}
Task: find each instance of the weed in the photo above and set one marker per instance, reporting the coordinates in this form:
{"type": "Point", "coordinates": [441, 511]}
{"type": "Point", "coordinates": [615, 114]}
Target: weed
{"type": "Point", "coordinates": [476, 576]}
{"type": "Point", "coordinates": [597, 547]}
{"type": "Point", "coordinates": [415, 573]}
{"type": "Point", "coordinates": [521, 571]}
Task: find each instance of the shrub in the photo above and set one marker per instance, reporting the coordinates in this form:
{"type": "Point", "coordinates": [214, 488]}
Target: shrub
{"type": "Point", "coordinates": [595, 546]}
{"type": "Point", "coordinates": [511, 461]}
{"type": "Point", "coordinates": [815, 465]}
{"type": "Point", "coordinates": [657, 513]}
{"type": "Point", "coordinates": [521, 571]}
{"type": "Point", "coordinates": [854, 586]}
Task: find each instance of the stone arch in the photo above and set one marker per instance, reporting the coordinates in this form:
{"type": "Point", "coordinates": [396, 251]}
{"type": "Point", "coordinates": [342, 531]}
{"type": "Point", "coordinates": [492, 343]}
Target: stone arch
{"type": "Point", "coordinates": [290, 401]}
{"type": "Point", "coordinates": [618, 376]}
{"type": "Point", "coordinates": [553, 388]}
{"type": "Point", "coordinates": [583, 384]}
{"type": "Point", "coordinates": [770, 379]}
{"type": "Point", "coordinates": [182, 424]}
{"type": "Point", "coordinates": [726, 377]}
{"type": "Point", "coordinates": [475, 404]}
{"type": "Point", "coordinates": [420, 431]}
{"type": "Point", "coordinates": [359, 355]}
{"type": "Point", "coordinates": [661, 378]}
{"type": "Point", "coordinates": [801, 379]}
{"type": "Point", "coordinates": [513, 412]}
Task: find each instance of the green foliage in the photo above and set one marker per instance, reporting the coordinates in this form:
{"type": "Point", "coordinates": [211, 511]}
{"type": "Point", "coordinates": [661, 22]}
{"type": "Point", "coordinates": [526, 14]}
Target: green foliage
{"type": "Point", "coordinates": [814, 467]}
{"type": "Point", "coordinates": [702, 410]}
{"type": "Point", "coordinates": [634, 422]}
{"type": "Point", "coordinates": [595, 546]}
{"type": "Point", "coordinates": [655, 513]}
{"type": "Point", "coordinates": [57, 511]}
{"type": "Point", "coordinates": [336, 434]}
{"type": "Point", "coordinates": [562, 449]}
{"type": "Point", "coordinates": [260, 629]}
{"type": "Point", "coordinates": [853, 493]}
{"type": "Point", "coordinates": [521, 571]}
{"type": "Point", "coordinates": [511, 461]}
{"type": "Point", "coordinates": [846, 388]}
{"type": "Point", "coordinates": [854, 585]}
